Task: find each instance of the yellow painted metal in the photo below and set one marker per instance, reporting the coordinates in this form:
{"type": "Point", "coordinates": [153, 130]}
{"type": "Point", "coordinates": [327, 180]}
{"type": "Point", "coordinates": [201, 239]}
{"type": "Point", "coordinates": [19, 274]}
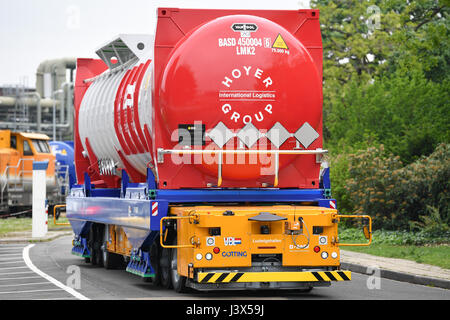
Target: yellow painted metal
{"type": "Point", "coordinates": [54, 215]}
{"type": "Point", "coordinates": [17, 165]}
{"type": "Point", "coordinates": [192, 245]}
{"type": "Point", "coordinates": [369, 230]}
{"type": "Point", "coordinates": [285, 237]}
{"type": "Point", "coordinates": [33, 135]}
{"type": "Point", "coordinates": [305, 276]}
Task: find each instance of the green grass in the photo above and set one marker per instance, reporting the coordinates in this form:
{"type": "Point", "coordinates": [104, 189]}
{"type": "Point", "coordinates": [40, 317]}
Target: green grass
{"type": "Point", "coordinates": [436, 255]}
{"type": "Point", "coordinates": [419, 246]}
{"type": "Point", "coordinates": [24, 224]}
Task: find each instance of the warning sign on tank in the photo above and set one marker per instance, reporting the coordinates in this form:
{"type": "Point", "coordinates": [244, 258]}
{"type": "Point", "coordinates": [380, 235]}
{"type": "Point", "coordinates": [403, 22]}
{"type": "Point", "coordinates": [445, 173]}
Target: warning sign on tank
{"type": "Point", "coordinates": [279, 45]}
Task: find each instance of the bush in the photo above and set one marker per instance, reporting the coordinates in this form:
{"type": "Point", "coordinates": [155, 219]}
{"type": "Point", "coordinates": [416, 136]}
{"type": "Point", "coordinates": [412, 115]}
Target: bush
{"type": "Point", "coordinates": [349, 235]}
{"type": "Point", "coordinates": [408, 197]}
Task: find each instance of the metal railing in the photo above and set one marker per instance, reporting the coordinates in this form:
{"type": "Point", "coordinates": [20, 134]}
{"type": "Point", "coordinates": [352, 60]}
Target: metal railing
{"type": "Point", "coordinates": [5, 181]}
{"type": "Point", "coordinates": [367, 230]}
{"type": "Point", "coordinates": [62, 178]}
{"type": "Point", "coordinates": [220, 152]}
{"type": "Point", "coordinates": [54, 215]}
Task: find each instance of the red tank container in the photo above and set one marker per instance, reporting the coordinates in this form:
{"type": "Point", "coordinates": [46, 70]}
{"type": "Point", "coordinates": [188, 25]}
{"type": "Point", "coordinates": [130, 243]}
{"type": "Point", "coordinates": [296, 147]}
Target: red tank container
{"type": "Point", "coordinates": [222, 80]}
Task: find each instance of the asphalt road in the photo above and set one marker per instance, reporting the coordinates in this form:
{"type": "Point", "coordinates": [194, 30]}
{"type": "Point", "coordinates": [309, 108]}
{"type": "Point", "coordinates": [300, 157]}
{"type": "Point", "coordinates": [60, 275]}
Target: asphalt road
{"type": "Point", "coordinates": [19, 281]}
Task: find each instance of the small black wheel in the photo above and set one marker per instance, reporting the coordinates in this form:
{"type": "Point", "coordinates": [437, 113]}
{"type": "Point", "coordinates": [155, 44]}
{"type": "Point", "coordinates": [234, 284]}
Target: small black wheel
{"type": "Point", "coordinates": [164, 262]}
{"type": "Point", "coordinates": [155, 249]}
{"type": "Point", "coordinates": [112, 260]}
{"type": "Point", "coordinates": [94, 245]}
{"type": "Point", "coordinates": [99, 243]}
{"type": "Point", "coordinates": [91, 246]}
{"type": "Point", "coordinates": [178, 281]}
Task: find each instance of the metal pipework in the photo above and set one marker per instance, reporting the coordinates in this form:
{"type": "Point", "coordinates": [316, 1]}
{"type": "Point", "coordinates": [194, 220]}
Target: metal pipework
{"type": "Point", "coordinates": [54, 94]}
{"type": "Point", "coordinates": [57, 69]}
{"type": "Point", "coordinates": [30, 101]}
{"type": "Point", "coordinates": [38, 110]}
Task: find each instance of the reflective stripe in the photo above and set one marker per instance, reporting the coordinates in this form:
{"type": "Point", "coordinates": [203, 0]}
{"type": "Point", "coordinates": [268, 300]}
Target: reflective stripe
{"type": "Point", "coordinates": [226, 277]}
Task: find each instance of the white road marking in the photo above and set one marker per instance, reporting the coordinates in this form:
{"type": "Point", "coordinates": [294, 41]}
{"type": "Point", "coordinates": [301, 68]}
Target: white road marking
{"type": "Point", "coordinates": [12, 268]}
{"type": "Point", "coordinates": [23, 284]}
{"type": "Point", "coordinates": [19, 278]}
{"type": "Point", "coordinates": [7, 259]}
{"type": "Point", "coordinates": [16, 261]}
{"type": "Point", "coordinates": [5, 273]}
{"type": "Point", "coordinates": [27, 291]}
{"type": "Point", "coordinates": [30, 264]}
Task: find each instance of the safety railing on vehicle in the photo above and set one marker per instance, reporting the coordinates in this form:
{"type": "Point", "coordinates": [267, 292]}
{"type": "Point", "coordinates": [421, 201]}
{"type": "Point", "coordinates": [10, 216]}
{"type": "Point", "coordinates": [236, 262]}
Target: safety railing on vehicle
{"type": "Point", "coordinates": [220, 152]}
{"type": "Point", "coordinates": [54, 215]}
{"type": "Point", "coordinates": [367, 229]}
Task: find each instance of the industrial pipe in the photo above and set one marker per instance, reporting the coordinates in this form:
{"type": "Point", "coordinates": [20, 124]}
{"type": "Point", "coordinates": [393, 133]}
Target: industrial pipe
{"type": "Point", "coordinates": [31, 102]}
{"type": "Point", "coordinates": [56, 69]}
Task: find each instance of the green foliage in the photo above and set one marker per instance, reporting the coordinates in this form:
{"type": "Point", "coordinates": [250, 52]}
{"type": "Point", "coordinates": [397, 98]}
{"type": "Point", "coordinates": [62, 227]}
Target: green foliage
{"type": "Point", "coordinates": [397, 196]}
{"type": "Point", "coordinates": [422, 247]}
{"type": "Point", "coordinates": [386, 74]}
{"type": "Point", "coordinates": [387, 82]}
{"type": "Point", "coordinates": [405, 112]}
{"type": "Point", "coordinates": [354, 235]}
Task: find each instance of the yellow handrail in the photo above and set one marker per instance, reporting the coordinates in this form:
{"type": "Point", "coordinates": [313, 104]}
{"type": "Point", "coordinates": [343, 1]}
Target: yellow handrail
{"type": "Point", "coordinates": [370, 231]}
{"type": "Point", "coordinates": [161, 233]}
{"type": "Point", "coordinates": [54, 216]}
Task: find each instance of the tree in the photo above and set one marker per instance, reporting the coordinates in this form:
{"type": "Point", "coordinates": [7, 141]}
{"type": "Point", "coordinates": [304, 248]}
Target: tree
{"type": "Point", "coordinates": [386, 73]}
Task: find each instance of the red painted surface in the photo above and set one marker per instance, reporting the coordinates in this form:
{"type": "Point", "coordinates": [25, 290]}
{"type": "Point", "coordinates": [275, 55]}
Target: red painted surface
{"type": "Point", "coordinates": [86, 69]}
{"type": "Point", "coordinates": [199, 57]}
{"type": "Point", "coordinates": [190, 67]}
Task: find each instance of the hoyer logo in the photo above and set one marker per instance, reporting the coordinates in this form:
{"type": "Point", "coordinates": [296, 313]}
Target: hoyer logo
{"type": "Point", "coordinates": [230, 95]}
{"type": "Point", "coordinates": [244, 28]}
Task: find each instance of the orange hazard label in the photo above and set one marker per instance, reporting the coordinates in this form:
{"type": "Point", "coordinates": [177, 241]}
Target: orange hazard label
{"type": "Point", "coordinates": [279, 43]}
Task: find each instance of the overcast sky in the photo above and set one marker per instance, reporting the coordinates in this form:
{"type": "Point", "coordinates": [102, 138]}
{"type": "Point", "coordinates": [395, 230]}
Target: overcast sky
{"type": "Point", "coordinates": [32, 31]}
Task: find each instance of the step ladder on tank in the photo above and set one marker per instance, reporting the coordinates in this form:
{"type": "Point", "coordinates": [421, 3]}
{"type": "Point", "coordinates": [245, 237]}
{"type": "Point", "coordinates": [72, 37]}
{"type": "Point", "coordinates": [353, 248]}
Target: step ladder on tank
{"type": "Point", "coordinates": [62, 180]}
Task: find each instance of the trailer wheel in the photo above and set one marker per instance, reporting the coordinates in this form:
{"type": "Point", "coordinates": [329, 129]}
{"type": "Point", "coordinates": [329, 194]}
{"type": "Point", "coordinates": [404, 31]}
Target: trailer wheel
{"type": "Point", "coordinates": [178, 281]}
{"type": "Point", "coordinates": [110, 260]}
{"type": "Point", "coordinates": [91, 246]}
{"type": "Point", "coordinates": [155, 249]}
{"type": "Point", "coordinates": [94, 244]}
{"type": "Point", "coordinates": [99, 243]}
{"type": "Point", "coordinates": [164, 263]}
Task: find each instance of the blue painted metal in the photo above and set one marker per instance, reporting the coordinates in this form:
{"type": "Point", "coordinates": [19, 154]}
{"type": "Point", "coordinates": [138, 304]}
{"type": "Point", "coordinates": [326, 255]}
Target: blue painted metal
{"type": "Point", "coordinates": [140, 263]}
{"type": "Point", "coordinates": [240, 195]}
{"type": "Point", "coordinates": [80, 247]}
{"type": "Point", "coordinates": [40, 165]}
{"type": "Point", "coordinates": [325, 179]}
{"type": "Point", "coordinates": [64, 153]}
{"type": "Point", "coordinates": [134, 215]}
{"type": "Point", "coordinates": [327, 203]}
{"type": "Point", "coordinates": [151, 180]}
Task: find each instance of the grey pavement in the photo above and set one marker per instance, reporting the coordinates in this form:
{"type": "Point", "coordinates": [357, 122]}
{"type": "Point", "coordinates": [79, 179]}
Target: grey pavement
{"type": "Point", "coordinates": [390, 268]}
